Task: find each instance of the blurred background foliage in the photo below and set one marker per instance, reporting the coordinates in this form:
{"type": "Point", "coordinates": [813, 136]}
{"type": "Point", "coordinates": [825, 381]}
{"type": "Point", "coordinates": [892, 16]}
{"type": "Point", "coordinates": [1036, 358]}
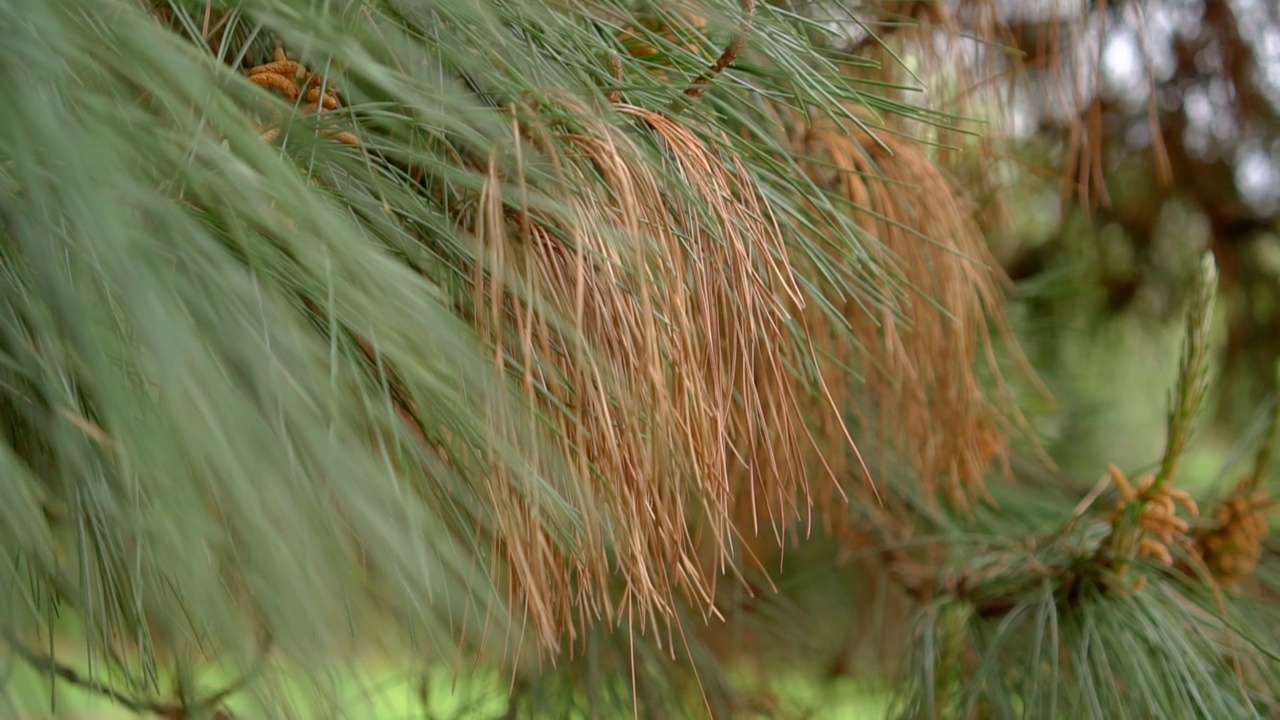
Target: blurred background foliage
{"type": "Point", "coordinates": [590, 358]}
{"type": "Point", "coordinates": [1134, 136]}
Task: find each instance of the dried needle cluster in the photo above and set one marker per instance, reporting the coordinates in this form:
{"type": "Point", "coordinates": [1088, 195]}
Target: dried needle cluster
{"type": "Point", "coordinates": [708, 439]}
{"type": "Point", "coordinates": [939, 334]}
{"type": "Point", "coordinates": [1232, 546]}
{"type": "Point", "coordinates": [292, 80]}
{"type": "Point", "coordinates": [1158, 525]}
{"type": "Point", "coordinates": [673, 460]}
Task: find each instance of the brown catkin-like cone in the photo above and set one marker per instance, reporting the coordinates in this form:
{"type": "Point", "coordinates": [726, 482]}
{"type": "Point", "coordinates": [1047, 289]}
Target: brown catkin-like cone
{"type": "Point", "coordinates": [1232, 546]}
{"type": "Point", "coordinates": [283, 75]}
{"type": "Point", "coordinates": [1159, 525]}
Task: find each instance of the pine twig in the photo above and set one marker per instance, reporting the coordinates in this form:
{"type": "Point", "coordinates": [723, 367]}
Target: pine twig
{"type": "Point", "coordinates": [50, 665]}
{"type": "Point", "coordinates": [727, 56]}
{"type": "Point", "coordinates": [736, 45]}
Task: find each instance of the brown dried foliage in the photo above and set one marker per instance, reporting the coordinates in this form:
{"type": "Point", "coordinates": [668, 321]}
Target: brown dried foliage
{"type": "Point", "coordinates": [676, 384]}
{"type": "Point", "coordinates": [680, 394]}
{"type": "Point", "coordinates": [1032, 55]}
{"type": "Point", "coordinates": [926, 347]}
{"type": "Point", "coordinates": [924, 31]}
{"type": "Point", "coordinates": [658, 333]}
{"type": "Point", "coordinates": [1232, 546]}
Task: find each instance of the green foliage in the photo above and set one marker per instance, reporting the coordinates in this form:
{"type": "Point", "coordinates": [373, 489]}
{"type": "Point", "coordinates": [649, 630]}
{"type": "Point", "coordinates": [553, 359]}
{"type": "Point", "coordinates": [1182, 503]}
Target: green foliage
{"type": "Point", "coordinates": [477, 335]}
{"type": "Point", "coordinates": [1166, 651]}
{"type": "Point", "coordinates": [1088, 619]}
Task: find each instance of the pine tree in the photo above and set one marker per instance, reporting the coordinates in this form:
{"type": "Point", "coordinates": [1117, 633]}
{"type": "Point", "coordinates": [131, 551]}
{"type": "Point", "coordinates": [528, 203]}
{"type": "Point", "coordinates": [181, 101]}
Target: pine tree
{"type": "Point", "coordinates": [533, 337]}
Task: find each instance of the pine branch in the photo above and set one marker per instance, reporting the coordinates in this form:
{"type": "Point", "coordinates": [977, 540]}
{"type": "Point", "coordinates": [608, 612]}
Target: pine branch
{"type": "Point", "coordinates": [211, 702]}
{"type": "Point", "coordinates": [727, 56]}
{"type": "Point", "coordinates": [51, 666]}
